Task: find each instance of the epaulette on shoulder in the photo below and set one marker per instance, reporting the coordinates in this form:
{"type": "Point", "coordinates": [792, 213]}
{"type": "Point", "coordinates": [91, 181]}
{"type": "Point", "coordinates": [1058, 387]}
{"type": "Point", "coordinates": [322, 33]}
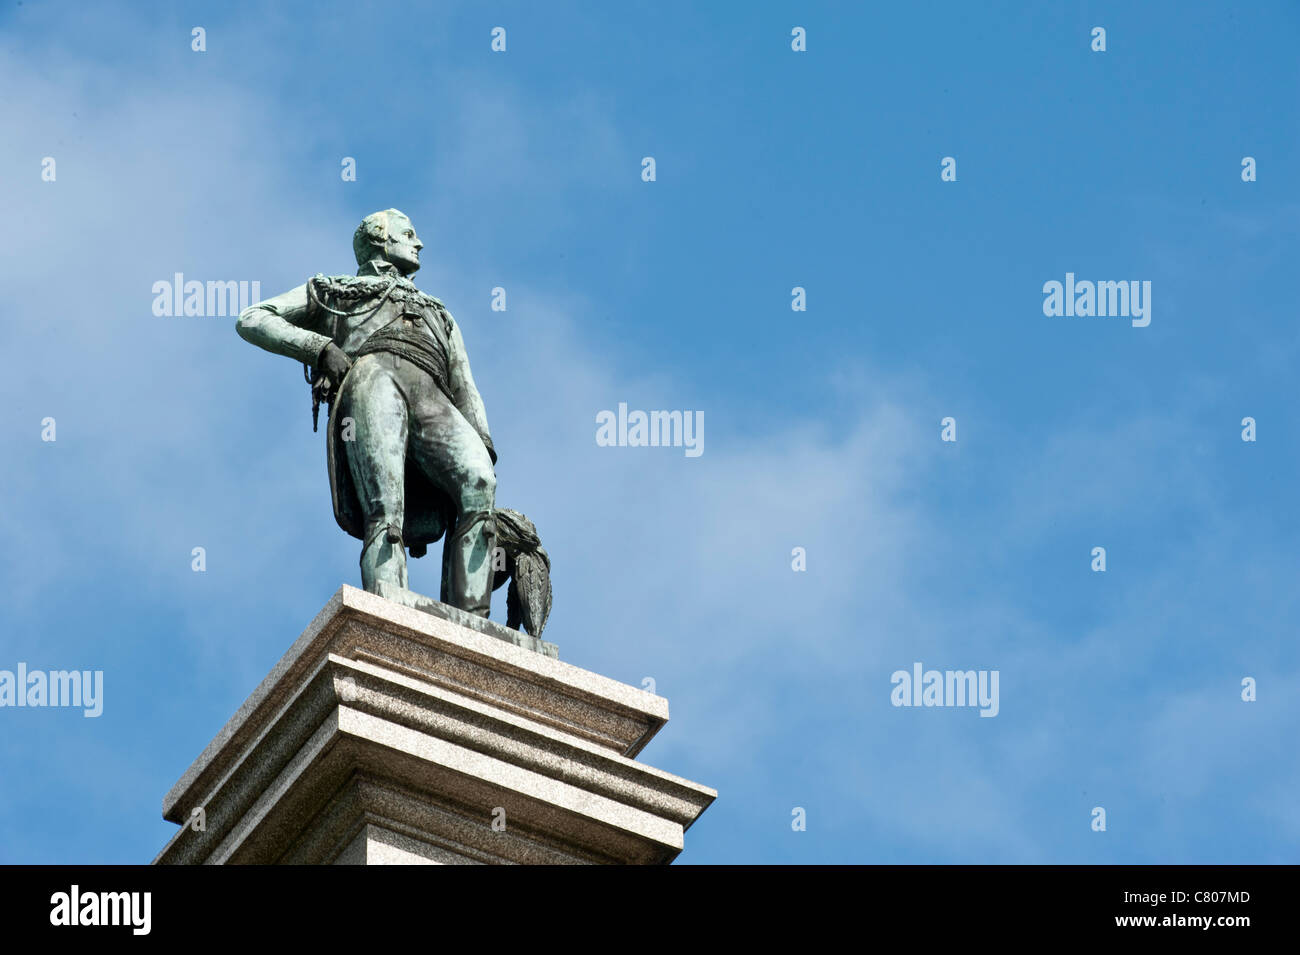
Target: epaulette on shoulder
{"type": "Point", "coordinates": [432, 302]}
{"type": "Point", "coordinates": [347, 288]}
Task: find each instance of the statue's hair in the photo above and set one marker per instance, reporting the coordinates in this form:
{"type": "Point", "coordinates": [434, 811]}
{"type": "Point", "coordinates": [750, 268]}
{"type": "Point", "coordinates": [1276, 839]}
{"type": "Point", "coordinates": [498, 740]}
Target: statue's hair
{"type": "Point", "coordinates": [372, 232]}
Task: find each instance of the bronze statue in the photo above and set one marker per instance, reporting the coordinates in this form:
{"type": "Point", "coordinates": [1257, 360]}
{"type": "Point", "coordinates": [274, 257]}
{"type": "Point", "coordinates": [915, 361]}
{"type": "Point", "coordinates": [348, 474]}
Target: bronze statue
{"type": "Point", "coordinates": [409, 451]}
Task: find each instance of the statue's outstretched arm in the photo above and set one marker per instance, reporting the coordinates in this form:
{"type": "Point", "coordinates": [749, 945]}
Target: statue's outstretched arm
{"type": "Point", "coordinates": [277, 325]}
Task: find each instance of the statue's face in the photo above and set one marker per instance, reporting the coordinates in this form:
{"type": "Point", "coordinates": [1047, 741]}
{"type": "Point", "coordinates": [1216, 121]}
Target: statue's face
{"type": "Point", "coordinates": [402, 247]}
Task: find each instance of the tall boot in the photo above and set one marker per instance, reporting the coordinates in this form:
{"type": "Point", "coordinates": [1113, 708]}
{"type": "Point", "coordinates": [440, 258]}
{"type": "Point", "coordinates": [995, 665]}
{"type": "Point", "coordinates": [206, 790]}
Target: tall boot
{"type": "Point", "coordinates": [383, 558]}
{"type": "Point", "coordinates": [468, 563]}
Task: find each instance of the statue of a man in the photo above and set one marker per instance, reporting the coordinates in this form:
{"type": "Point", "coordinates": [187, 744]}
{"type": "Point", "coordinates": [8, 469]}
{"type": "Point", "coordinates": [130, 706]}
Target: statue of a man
{"type": "Point", "coordinates": [409, 451]}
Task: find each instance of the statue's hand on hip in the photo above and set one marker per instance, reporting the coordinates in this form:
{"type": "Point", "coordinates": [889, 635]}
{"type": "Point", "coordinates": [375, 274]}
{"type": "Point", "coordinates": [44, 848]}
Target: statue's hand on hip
{"type": "Point", "coordinates": [331, 367]}
{"type": "Point", "coordinates": [334, 363]}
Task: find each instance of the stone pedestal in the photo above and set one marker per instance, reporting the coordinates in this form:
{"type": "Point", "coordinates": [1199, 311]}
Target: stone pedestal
{"type": "Point", "coordinates": [388, 734]}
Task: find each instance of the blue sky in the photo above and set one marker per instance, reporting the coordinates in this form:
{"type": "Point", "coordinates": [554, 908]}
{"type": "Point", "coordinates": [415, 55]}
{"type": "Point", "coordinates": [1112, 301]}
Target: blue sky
{"type": "Point", "coordinates": [775, 169]}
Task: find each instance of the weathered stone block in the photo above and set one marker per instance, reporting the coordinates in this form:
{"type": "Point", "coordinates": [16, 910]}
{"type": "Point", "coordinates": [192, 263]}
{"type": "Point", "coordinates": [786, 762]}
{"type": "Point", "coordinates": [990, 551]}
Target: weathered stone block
{"type": "Point", "coordinates": [389, 734]}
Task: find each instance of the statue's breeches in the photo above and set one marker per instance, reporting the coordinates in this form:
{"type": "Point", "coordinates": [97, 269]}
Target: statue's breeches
{"type": "Point", "coordinates": [398, 413]}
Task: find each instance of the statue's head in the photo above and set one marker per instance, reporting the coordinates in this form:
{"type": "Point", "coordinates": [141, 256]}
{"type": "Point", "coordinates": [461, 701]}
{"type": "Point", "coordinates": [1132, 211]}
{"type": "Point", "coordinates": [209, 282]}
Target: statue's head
{"type": "Point", "coordinates": [388, 235]}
